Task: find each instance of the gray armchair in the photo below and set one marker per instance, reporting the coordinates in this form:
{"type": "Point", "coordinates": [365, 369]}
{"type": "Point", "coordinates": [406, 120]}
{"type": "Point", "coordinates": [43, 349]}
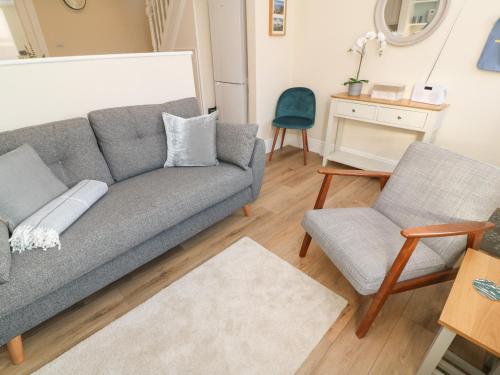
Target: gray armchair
{"type": "Point", "coordinates": [432, 207]}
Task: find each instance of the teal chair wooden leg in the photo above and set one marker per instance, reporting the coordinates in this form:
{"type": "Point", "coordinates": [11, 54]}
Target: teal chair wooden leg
{"type": "Point", "coordinates": [276, 133]}
{"type": "Point", "coordinates": [304, 145]}
{"type": "Point", "coordinates": [282, 138]}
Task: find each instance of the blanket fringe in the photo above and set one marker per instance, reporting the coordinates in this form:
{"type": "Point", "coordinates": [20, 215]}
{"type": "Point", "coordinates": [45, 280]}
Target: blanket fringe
{"type": "Point", "coordinates": [25, 237]}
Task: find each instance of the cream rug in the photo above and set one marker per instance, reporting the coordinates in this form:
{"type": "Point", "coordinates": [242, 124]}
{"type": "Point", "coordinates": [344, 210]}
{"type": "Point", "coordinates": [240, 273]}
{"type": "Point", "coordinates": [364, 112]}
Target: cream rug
{"type": "Point", "coordinates": [244, 311]}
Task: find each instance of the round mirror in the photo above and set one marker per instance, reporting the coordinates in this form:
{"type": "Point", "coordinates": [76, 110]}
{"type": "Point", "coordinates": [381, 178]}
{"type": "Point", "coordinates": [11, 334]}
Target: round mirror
{"type": "Point", "coordinates": [406, 22]}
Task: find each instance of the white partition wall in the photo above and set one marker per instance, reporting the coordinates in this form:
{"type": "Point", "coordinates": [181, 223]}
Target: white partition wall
{"type": "Point", "coordinates": [37, 91]}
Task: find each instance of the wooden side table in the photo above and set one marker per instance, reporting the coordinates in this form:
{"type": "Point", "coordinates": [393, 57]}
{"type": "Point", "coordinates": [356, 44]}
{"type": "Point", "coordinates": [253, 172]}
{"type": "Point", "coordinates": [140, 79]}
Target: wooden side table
{"type": "Point", "coordinates": [403, 115]}
{"type": "Point", "coordinates": [467, 313]}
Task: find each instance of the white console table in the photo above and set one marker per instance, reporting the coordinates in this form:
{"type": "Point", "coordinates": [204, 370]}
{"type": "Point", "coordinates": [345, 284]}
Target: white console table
{"type": "Point", "coordinates": [422, 118]}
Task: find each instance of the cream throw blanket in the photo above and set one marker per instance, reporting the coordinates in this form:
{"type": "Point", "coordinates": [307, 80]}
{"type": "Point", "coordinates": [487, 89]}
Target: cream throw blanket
{"type": "Point", "coordinates": [42, 229]}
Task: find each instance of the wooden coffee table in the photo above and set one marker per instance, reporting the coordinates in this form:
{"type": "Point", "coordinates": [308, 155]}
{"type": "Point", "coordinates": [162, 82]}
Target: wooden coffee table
{"type": "Point", "coordinates": [467, 313]}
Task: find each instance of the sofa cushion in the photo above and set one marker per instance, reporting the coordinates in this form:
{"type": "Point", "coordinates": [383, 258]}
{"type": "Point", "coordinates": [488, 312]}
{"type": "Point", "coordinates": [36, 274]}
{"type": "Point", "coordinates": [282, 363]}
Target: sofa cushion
{"type": "Point", "coordinates": [133, 139]}
{"type": "Point", "coordinates": [363, 244]}
{"type": "Point", "coordinates": [68, 147]}
{"type": "Point", "coordinates": [132, 212]}
{"type": "Point", "coordinates": [235, 143]}
{"type": "Point", "coordinates": [191, 142]}
{"type": "Point", "coordinates": [27, 185]}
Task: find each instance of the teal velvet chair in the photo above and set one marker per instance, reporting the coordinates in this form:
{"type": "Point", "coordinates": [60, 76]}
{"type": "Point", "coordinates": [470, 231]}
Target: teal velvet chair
{"type": "Point", "coordinates": [296, 109]}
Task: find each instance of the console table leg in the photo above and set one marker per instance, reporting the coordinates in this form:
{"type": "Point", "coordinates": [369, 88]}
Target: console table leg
{"type": "Point", "coordinates": [436, 351]}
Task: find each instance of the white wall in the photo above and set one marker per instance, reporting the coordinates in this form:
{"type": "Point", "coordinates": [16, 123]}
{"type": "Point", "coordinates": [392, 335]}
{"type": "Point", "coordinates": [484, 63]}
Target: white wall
{"type": "Point", "coordinates": [314, 54]}
{"type": "Point", "coordinates": [104, 26]}
{"type": "Point", "coordinates": [43, 90]}
{"type": "Point", "coordinates": [270, 62]}
{"type": "Point", "coordinates": [325, 29]}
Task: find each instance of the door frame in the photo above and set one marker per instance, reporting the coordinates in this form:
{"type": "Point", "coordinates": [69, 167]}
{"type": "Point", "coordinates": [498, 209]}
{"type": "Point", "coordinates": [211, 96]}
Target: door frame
{"type": "Point", "coordinates": [32, 29]}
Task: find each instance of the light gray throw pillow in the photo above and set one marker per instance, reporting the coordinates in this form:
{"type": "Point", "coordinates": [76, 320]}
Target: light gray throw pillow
{"type": "Point", "coordinates": [27, 184]}
{"type": "Point", "coordinates": [191, 142]}
{"type": "Point", "coordinates": [235, 143]}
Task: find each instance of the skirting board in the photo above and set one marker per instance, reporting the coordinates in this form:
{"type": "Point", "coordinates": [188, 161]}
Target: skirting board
{"type": "Point", "coordinates": [317, 146]}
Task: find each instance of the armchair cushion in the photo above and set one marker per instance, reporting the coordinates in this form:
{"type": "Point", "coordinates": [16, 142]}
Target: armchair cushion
{"type": "Point", "coordinates": [431, 185]}
{"type": "Point", "coordinates": [363, 244]}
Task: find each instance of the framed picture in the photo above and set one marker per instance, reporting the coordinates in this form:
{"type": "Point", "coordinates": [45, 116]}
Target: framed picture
{"type": "Point", "coordinates": [277, 17]}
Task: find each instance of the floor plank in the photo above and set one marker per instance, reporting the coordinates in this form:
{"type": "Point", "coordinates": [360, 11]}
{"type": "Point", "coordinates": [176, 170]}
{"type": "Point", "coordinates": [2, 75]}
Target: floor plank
{"type": "Point", "coordinates": [395, 344]}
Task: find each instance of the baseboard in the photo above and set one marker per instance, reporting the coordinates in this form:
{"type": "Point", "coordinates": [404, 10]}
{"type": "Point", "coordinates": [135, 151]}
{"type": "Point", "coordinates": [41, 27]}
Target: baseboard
{"type": "Point", "coordinates": [369, 155]}
{"type": "Point", "coordinates": [295, 140]}
{"type": "Point", "coordinates": [269, 144]}
{"type": "Point", "coordinates": [317, 146]}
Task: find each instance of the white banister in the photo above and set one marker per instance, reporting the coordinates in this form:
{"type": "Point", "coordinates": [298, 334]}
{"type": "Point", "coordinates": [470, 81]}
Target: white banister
{"type": "Point", "coordinates": [157, 11]}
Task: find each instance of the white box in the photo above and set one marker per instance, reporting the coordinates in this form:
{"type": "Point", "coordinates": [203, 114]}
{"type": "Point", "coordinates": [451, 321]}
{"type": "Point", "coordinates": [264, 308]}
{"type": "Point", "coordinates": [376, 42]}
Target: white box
{"type": "Point", "coordinates": [429, 94]}
{"type": "Point", "coordinates": [387, 92]}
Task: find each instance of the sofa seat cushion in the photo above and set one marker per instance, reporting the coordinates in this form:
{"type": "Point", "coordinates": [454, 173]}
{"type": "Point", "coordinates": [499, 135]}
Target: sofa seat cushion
{"type": "Point", "coordinates": [363, 244]}
{"type": "Point", "coordinates": [132, 212]}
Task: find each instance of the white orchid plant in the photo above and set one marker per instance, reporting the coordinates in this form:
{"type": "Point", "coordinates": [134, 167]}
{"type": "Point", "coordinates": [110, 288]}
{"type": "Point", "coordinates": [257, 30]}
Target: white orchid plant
{"type": "Point", "coordinates": [360, 47]}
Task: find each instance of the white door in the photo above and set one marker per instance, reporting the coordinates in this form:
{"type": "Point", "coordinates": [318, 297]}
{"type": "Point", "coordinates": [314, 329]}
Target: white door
{"type": "Point", "coordinates": [232, 102]}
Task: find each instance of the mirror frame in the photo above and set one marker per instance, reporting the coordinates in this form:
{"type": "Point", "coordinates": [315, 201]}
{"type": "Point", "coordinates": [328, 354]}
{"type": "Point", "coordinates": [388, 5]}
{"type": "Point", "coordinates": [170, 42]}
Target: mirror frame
{"type": "Point", "coordinates": [397, 40]}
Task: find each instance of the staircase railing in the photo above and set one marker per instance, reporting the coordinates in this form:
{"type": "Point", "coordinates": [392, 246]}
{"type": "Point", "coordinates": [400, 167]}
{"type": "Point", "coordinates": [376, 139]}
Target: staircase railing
{"type": "Point", "coordinates": [156, 11]}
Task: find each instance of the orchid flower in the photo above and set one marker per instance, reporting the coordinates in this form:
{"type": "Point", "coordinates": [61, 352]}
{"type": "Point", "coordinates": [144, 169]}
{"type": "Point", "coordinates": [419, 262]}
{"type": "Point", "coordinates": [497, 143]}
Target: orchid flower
{"type": "Point", "coordinates": [360, 47]}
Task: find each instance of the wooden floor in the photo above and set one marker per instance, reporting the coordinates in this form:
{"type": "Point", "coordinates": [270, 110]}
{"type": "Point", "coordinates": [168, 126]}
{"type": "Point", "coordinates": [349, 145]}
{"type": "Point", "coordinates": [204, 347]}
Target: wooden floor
{"type": "Point", "coordinates": [396, 343]}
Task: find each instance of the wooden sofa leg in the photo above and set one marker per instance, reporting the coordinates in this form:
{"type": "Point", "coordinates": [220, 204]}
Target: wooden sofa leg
{"type": "Point", "coordinates": [247, 209]}
{"type": "Point", "coordinates": [305, 245]}
{"type": "Point", "coordinates": [15, 349]}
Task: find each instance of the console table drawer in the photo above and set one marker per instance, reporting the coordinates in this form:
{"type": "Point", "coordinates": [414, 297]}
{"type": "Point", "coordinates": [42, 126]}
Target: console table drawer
{"type": "Point", "coordinates": [361, 111]}
{"type": "Point", "coordinates": [412, 119]}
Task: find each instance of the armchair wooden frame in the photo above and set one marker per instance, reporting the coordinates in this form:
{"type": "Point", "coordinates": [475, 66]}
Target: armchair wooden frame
{"type": "Point", "coordinates": [473, 229]}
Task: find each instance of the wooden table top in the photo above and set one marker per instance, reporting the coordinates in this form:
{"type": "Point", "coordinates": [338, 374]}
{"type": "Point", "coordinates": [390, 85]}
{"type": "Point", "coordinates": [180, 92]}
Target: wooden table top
{"type": "Point", "coordinates": [400, 103]}
{"type": "Point", "coordinates": [468, 313]}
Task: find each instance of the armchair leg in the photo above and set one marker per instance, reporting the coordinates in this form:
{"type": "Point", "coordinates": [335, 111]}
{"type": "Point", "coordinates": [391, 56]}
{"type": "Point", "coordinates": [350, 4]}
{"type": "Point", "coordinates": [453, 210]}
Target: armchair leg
{"type": "Point", "coordinates": [387, 286]}
{"type": "Point", "coordinates": [276, 133]}
{"type": "Point", "coordinates": [15, 349]}
{"type": "Point", "coordinates": [282, 138]}
{"type": "Point", "coordinates": [305, 245]}
{"type": "Point", "coordinates": [372, 312]}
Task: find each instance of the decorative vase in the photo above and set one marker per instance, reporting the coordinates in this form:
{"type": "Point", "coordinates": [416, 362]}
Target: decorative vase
{"type": "Point", "coordinates": [355, 89]}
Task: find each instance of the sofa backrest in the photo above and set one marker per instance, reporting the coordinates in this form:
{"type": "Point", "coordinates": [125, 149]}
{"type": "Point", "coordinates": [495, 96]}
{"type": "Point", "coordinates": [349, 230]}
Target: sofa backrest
{"type": "Point", "coordinates": [68, 147]}
{"type": "Point", "coordinates": [133, 139]}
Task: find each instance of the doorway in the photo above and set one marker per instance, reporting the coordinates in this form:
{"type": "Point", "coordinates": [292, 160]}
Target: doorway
{"type": "Point", "coordinates": [20, 33]}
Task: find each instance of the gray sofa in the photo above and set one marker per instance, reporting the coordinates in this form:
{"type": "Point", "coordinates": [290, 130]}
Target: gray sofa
{"type": "Point", "coordinates": [147, 210]}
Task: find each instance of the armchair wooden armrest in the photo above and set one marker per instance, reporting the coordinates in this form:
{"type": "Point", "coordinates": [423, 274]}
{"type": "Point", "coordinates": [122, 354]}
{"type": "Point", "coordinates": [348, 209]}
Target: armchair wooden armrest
{"type": "Point", "coordinates": [383, 177]}
{"type": "Point", "coordinates": [353, 172]}
{"type": "Point", "coordinates": [445, 230]}
{"type": "Point", "coordinates": [474, 230]}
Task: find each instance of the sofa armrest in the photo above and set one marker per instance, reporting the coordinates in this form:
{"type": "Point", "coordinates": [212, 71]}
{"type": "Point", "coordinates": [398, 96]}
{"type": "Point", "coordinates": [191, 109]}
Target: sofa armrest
{"type": "Point", "coordinates": [4, 253]}
{"type": "Point", "coordinates": [257, 163]}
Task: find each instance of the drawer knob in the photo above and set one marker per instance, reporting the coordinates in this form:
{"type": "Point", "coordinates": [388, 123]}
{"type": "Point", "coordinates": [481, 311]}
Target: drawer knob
{"type": "Point", "coordinates": [399, 117]}
{"type": "Point", "coordinates": [353, 110]}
